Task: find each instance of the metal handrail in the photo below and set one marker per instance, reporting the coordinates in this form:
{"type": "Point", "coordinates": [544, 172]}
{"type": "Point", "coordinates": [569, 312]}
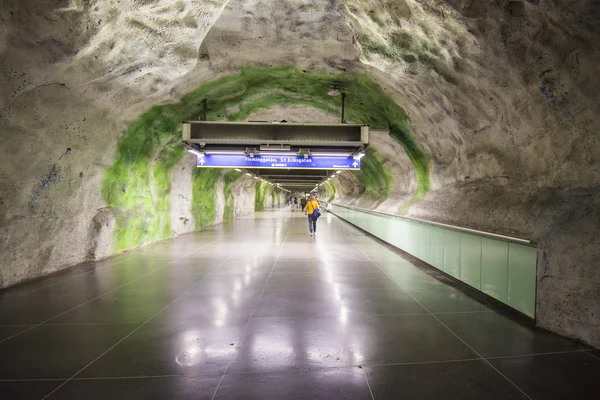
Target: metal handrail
{"type": "Point", "coordinates": [457, 228]}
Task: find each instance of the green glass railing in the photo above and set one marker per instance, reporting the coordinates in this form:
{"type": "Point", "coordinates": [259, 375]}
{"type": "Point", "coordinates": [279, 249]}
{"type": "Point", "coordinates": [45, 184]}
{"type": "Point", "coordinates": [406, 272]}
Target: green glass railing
{"type": "Point", "coordinates": [500, 266]}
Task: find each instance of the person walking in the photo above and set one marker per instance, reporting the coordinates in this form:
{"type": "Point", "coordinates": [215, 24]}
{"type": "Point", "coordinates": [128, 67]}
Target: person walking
{"type": "Point", "coordinates": [311, 206]}
{"type": "Point", "coordinates": [303, 202]}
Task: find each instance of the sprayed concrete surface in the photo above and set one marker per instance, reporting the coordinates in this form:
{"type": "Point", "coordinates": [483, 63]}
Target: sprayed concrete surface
{"type": "Point", "coordinates": [500, 131]}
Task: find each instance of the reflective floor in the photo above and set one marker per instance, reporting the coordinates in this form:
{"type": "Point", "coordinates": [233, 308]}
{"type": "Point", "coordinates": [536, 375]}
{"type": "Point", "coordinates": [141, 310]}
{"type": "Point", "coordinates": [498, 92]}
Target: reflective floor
{"type": "Point", "coordinates": [257, 309]}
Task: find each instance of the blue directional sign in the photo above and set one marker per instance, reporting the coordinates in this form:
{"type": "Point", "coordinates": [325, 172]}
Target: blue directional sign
{"type": "Point", "coordinates": [277, 162]}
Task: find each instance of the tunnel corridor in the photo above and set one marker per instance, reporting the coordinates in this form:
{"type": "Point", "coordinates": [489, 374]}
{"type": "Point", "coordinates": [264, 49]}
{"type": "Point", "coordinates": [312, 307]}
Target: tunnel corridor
{"type": "Point", "coordinates": [257, 309]}
{"type": "Point", "coordinates": [149, 148]}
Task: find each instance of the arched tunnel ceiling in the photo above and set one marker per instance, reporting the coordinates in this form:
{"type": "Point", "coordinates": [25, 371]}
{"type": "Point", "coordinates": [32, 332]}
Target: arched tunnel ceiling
{"type": "Point", "coordinates": [498, 106]}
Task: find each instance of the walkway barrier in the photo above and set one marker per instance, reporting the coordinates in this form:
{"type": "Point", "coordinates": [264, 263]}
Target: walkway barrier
{"type": "Point", "coordinates": [499, 266]}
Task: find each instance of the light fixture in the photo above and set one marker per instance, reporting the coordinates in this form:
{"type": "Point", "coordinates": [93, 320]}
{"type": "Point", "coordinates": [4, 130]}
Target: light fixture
{"type": "Point", "coordinates": [338, 172]}
{"type": "Point", "coordinates": [341, 155]}
{"type": "Point", "coordinates": [238, 170]}
{"type": "Point", "coordinates": [264, 153]}
{"type": "Point", "coordinates": [248, 174]}
{"type": "Point", "coordinates": [334, 90]}
{"type": "Point", "coordinates": [226, 152]}
{"type": "Point", "coordinates": [359, 154]}
{"type": "Point", "coordinates": [196, 152]}
{"type": "Point", "coordinates": [280, 147]}
{"type": "Point", "coordinates": [256, 177]}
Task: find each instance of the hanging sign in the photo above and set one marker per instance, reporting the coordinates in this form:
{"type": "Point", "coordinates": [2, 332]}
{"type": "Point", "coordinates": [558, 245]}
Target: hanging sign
{"type": "Point", "coordinates": [280, 162]}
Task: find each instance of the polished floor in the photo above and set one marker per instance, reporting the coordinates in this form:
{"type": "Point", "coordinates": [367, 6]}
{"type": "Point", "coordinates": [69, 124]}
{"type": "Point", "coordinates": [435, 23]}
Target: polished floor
{"type": "Point", "coordinates": [257, 309]}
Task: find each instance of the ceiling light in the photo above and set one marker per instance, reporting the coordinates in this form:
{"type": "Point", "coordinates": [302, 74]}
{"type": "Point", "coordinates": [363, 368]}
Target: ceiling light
{"type": "Point", "coordinates": [225, 152]}
{"type": "Point", "coordinates": [248, 174]}
{"type": "Point", "coordinates": [334, 90]}
{"type": "Point", "coordinates": [196, 152]}
{"type": "Point", "coordinates": [359, 154]}
{"type": "Point", "coordinates": [238, 170]}
{"type": "Point", "coordinates": [338, 172]}
{"type": "Point", "coordinates": [275, 148]}
{"type": "Point", "coordinates": [344, 155]}
{"type": "Point", "coordinates": [264, 153]}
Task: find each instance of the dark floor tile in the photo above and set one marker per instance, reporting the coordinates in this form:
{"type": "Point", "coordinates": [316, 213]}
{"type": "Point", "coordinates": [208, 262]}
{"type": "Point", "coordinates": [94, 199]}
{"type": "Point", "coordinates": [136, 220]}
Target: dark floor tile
{"type": "Point", "coordinates": [116, 308]}
{"type": "Point", "coordinates": [496, 335]}
{"type": "Point", "coordinates": [325, 280]}
{"type": "Point", "coordinates": [167, 388]}
{"type": "Point", "coordinates": [209, 309]}
{"type": "Point", "coordinates": [320, 266]}
{"type": "Point", "coordinates": [339, 384]}
{"type": "Point", "coordinates": [416, 280]}
{"type": "Point", "coordinates": [27, 390]}
{"type": "Point", "coordinates": [170, 349]}
{"type": "Point", "coordinates": [8, 331]}
{"type": "Point", "coordinates": [297, 304]}
{"type": "Point", "coordinates": [31, 310]}
{"type": "Point", "coordinates": [461, 380]}
{"type": "Point", "coordinates": [97, 282]}
{"type": "Point", "coordinates": [554, 376]}
{"type": "Point", "coordinates": [328, 255]}
{"type": "Point", "coordinates": [49, 352]}
{"type": "Point", "coordinates": [163, 285]}
{"type": "Point", "coordinates": [148, 260]}
{"type": "Point", "coordinates": [450, 300]}
{"type": "Point", "coordinates": [243, 266]}
{"type": "Point", "coordinates": [398, 267]}
{"type": "Point", "coordinates": [389, 299]}
{"type": "Point", "coordinates": [188, 268]}
{"type": "Point", "coordinates": [31, 287]}
{"type": "Point", "coordinates": [276, 344]}
{"type": "Point", "coordinates": [223, 284]}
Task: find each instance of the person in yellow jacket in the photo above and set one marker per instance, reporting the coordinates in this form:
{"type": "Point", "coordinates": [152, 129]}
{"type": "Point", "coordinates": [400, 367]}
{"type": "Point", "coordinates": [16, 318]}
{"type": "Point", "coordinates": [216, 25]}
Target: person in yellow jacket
{"type": "Point", "coordinates": [310, 208]}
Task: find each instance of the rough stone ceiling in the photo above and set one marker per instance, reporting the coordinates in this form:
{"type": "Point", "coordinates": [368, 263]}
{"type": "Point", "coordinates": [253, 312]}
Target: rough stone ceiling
{"type": "Point", "coordinates": [502, 97]}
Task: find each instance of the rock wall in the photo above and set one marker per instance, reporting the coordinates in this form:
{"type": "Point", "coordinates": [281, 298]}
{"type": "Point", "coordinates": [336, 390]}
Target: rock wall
{"type": "Point", "coordinates": [493, 109]}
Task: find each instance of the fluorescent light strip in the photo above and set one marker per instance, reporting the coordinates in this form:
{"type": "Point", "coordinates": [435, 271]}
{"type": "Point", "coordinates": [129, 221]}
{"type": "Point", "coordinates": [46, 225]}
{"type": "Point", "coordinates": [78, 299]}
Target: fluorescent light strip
{"type": "Point", "coordinates": [341, 155]}
{"type": "Point", "coordinates": [263, 153]}
{"type": "Point", "coordinates": [226, 152]}
{"type": "Point", "coordinates": [196, 152]}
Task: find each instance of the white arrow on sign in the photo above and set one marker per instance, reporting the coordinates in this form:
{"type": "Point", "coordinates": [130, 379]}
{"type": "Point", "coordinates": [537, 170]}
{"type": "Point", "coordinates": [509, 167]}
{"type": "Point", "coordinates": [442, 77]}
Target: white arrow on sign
{"type": "Point", "coordinates": [355, 164]}
{"type": "Point", "coordinates": [202, 161]}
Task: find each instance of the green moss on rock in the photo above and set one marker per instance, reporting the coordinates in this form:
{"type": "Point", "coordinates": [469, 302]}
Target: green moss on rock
{"type": "Point", "coordinates": [138, 184]}
{"type": "Point", "coordinates": [204, 188]}
{"type": "Point", "coordinates": [375, 176]}
{"type": "Point", "coordinates": [260, 199]}
{"type": "Point", "coordinates": [330, 191]}
{"type": "Point", "coordinates": [229, 178]}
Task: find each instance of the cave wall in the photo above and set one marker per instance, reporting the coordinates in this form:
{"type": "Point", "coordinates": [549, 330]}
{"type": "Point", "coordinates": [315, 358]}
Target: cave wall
{"type": "Point", "coordinates": [493, 108]}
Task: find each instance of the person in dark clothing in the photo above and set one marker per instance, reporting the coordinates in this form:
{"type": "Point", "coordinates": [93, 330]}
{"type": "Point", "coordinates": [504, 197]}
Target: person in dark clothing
{"type": "Point", "coordinates": [303, 202]}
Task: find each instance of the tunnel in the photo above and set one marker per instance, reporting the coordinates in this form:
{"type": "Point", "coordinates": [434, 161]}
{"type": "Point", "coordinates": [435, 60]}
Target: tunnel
{"type": "Point", "coordinates": [457, 259]}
